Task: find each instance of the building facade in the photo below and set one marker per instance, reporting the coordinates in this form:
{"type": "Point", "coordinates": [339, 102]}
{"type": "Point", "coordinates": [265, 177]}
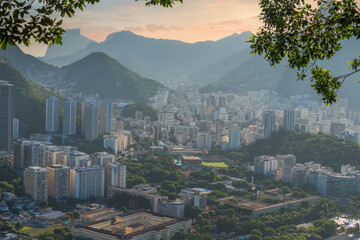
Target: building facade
{"type": "Point", "coordinates": [6, 116]}
{"type": "Point", "coordinates": [115, 175]}
{"type": "Point", "coordinates": [269, 124]}
{"type": "Point", "coordinates": [69, 118]}
{"type": "Point", "coordinates": [36, 183]}
{"type": "Point", "coordinates": [58, 181]}
{"type": "Point", "coordinates": [87, 182]}
{"type": "Point", "coordinates": [106, 117]}
{"type": "Point", "coordinates": [289, 120]}
{"type": "Point", "coordinates": [52, 114]}
{"type": "Point", "coordinates": [91, 123]}
{"type": "Point", "coordinates": [234, 139]}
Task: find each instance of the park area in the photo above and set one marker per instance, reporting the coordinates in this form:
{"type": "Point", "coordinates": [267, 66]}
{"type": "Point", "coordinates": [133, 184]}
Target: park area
{"type": "Point", "coordinates": [37, 231]}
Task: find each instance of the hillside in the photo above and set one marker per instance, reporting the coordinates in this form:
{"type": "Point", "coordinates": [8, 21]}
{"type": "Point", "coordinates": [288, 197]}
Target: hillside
{"type": "Point", "coordinates": [321, 148]}
{"type": "Point", "coordinates": [29, 66]}
{"type": "Point", "coordinates": [254, 73]}
{"type": "Point", "coordinates": [213, 72]}
{"type": "Point", "coordinates": [160, 58]}
{"type": "Point", "coordinates": [147, 110]}
{"type": "Point", "coordinates": [29, 98]}
{"type": "Point", "coordinates": [99, 73]}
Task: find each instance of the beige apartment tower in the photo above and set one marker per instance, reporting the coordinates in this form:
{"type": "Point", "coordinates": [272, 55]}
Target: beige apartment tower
{"type": "Point", "coordinates": [58, 182]}
{"type": "Point", "coordinates": [115, 175]}
{"type": "Point", "coordinates": [36, 183]}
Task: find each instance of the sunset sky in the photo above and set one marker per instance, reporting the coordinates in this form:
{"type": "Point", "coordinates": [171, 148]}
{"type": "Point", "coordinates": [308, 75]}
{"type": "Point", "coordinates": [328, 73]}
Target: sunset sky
{"type": "Point", "coordinates": [192, 21]}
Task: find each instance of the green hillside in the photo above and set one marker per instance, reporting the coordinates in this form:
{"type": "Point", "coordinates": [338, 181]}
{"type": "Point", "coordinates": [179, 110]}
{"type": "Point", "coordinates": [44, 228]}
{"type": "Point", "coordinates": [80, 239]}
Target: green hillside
{"type": "Point", "coordinates": [29, 66]}
{"type": "Point", "coordinates": [147, 110]}
{"type": "Point", "coordinates": [99, 73]}
{"type": "Point", "coordinates": [29, 98]}
{"type": "Point", "coordinates": [321, 148]}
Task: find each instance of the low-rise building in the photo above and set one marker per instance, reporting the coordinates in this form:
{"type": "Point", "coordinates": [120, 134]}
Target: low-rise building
{"type": "Point", "coordinates": [190, 160]}
{"type": "Point", "coordinates": [100, 215]}
{"type": "Point", "coordinates": [140, 225]}
{"type": "Point", "coordinates": [172, 208]}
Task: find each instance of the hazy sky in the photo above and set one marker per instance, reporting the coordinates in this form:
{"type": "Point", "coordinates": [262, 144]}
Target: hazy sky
{"type": "Point", "coordinates": [192, 21]}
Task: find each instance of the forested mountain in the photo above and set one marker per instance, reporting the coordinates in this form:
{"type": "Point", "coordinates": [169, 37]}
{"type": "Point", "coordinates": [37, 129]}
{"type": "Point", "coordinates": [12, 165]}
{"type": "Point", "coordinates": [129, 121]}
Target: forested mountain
{"type": "Point", "coordinates": [101, 74]}
{"type": "Point", "coordinates": [29, 98]}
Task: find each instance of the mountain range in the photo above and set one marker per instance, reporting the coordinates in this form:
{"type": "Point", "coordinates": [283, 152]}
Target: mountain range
{"type": "Point", "coordinates": [223, 65]}
{"type": "Point", "coordinates": [158, 59]}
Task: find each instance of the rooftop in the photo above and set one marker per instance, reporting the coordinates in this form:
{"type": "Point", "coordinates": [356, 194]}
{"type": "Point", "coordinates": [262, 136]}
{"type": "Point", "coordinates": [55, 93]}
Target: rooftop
{"type": "Point", "coordinates": [52, 215]}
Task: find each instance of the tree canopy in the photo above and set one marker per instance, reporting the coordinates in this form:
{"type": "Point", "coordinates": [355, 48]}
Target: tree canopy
{"type": "Point", "coordinates": [304, 34]}
{"type": "Point", "coordinates": [41, 20]}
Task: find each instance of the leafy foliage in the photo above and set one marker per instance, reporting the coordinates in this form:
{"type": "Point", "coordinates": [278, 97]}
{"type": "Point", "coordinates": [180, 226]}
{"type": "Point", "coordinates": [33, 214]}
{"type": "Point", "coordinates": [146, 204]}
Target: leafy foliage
{"type": "Point", "coordinates": [321, 148]}
{"type": "Point", "coordinates": [305, 34]}
{"type": "Point", "coordinates": [41, 20]}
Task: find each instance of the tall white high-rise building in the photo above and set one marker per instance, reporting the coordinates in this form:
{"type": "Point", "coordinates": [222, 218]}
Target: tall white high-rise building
{"type": "Point", "coordinates": [115, 175]}
{"type": "Point", "coordinates": [91, 122]}
{"type": "Point", "coordinates": [234, 139]}
{"type": "Point", "coordinates": [204, 141]}
{"type": "Point", "coordinates": [287, 163]}
{"type": "Point", "coordinates": [87, 182]}
{"type": "Point", "coordinates": [69, 118]}
{"type": "Point", "coordinates": [106, 117]}
{"type": "Point", "coordinates": [52, 114]}
{"type": "Point", "coordinates": [36, 183]}
{"type": "Point", "coordinates": [6, 116]}
{"type": "Point", "coordinates": [16, 128]}
{"type": "Point", "coordinates": [289, 120]}
{"type": "Point", "coordinates": [269, 124]}
{"type": "Point", "coordinates": [58, 181]}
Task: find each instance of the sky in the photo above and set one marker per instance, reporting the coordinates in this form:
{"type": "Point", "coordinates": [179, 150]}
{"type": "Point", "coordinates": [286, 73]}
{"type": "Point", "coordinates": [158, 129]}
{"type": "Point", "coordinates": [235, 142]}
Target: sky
{"type": "Point", "coordinates": [192, 21]}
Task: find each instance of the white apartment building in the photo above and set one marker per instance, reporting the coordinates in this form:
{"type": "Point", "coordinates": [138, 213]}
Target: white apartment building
{"type": "Point", "coordinates": [87, 182]}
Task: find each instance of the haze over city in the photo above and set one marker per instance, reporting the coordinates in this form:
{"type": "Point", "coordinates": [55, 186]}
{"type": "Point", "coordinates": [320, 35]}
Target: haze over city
{"type": "Point", "coordinates": [196, 122]}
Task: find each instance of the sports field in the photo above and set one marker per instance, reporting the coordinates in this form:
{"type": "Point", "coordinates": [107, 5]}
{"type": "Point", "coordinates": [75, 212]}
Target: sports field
{"type": "Point", "coordinates": [36, 231]}
{"type": "Point", "coordinates": [215, 164]}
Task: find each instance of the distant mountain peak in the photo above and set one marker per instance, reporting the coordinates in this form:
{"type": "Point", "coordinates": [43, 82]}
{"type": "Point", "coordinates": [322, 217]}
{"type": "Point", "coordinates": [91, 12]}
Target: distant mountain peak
{"type": "Point", "coordinates": [122, 34]}
{"type": "Point", "coordinates": [72, 41]}
{"type": "Point", "coordinates": [73, 31]}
